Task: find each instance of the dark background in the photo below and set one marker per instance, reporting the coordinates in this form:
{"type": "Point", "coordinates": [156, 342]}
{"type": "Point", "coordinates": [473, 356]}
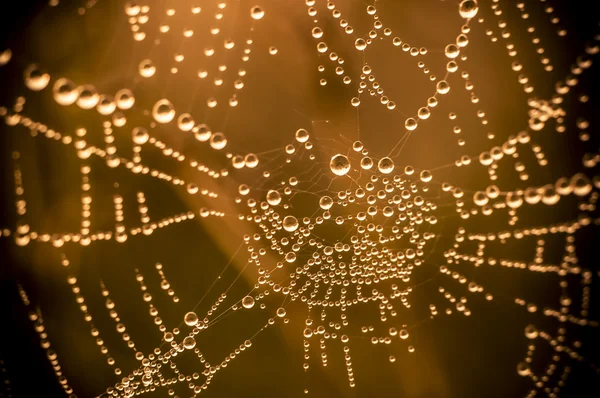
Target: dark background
{"type": "Point", "coordinates": [455, 356]}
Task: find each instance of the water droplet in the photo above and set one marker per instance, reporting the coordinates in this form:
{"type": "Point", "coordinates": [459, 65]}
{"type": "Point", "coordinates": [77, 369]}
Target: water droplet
{"type": "Point", "coordinates": [531, 332]}
{"type": "Point", "coordinates": [88, 96]}
{"type": "Point", "coordinates": [273, 198]}
{"type": "Point", "coordinates": [124, 99]}
{"type": "Point", "coordinates": [189, 343]}
{"type": "Point", "coordinates": [140, 135]}
{"type": "Point", "coordinates": [5, 56]}
{"type": "Point", "coordinates": [248, 302]}
{"type": "Point", "coordinates": [35, 78]}
{"type": "Point", "coordinates": [325, 202]}
{"type": "Point", "coordinates": [301, 135]}
{"type": "Point", "coordinates": [147, 68]}
{"type": "Point", "coordinates": [426, 176]}
{"type": "Point", "coordinates": [360, 44]}
{"type": "Point", "coordinates": [217, 141]}
{"type": "Point", "coordinates": [191, 319]}
{"type": "Point", "coordinates": [64, 92]}
{"type": "Point", "coordinates": [339, 165]}
{"type": "Point", "coordinates": [385, 165]}
{"type": "Point", "coordinates": [290, 223]}
{"type": "Point", "coordinates": [163, 111]}
{"type": "Point", "coordinates": [366, 163]}
{"type": "Point", "coordinates": [468, 9]}
{"type": "Point", "coordinates": [257, 13]}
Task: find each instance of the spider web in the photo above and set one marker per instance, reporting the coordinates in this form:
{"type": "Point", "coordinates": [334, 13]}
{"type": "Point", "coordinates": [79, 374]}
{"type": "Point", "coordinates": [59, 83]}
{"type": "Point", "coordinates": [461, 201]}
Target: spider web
{"type": "Point", "coordinates": [354, 220]}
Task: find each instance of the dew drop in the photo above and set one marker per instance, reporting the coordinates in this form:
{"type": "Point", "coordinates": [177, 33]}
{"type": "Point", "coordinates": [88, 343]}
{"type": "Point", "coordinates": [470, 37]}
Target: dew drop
{"type": "Point", "coordinates": [468, 9]}
{"type": "Point", "coordinates": [147, 68]}
{"type": "Point", "coordinates": [218, 141]}
{"type": "Point", "coordinates": [273, 197]}
{"type": "Point", "coordinates": [163, 111]}
{"type": "Point", "coordinates": [248, 302]}
{"type": "Point", "coordinates": [366, 163]}
{"type": "Point", "coordinates": [189, 343]}
{"type": "Point", "coordinates": [5, 56]}
{"type": "Point", "coordinates": [257, 13]}
{"type": "Point", "coordinates": [88, 97]}
{"type": "Point", "coordinates": [531, 332]}
{"type": "Point", "coordinates": [64, 92]}
{"type": "Point", "coordinates": [360, 44]}
{"type": "Point", "coordinates": [140, 135]}
{"type": "Point", "coordinates": [385, 165]}
{"type": "Point", "coordinates": [124, 99]}
{"type": "Point", "coordinates": [35, 78]}
{"type": "Point", "coordinates": [325, 202]}
{"type": "Point", "coordinates": [191, 319]}
{"type": "Point", "coordinates": [339, 165]}
{"type": "Point", "coordinates": [290, 223]}
{"type": "Point", "coordinates": [426, 176]}
{"type": "Point", "coordinates": [301, 135]}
